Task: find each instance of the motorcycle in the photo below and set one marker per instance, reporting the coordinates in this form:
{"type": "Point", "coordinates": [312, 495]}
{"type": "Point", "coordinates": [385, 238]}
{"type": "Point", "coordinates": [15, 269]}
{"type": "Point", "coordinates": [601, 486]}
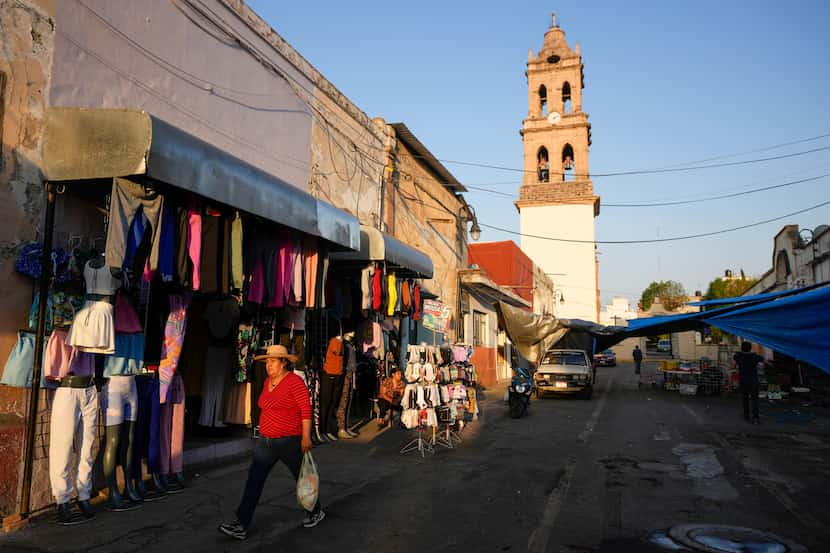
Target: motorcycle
{"type": "Point", "coordinates": [518, 394]}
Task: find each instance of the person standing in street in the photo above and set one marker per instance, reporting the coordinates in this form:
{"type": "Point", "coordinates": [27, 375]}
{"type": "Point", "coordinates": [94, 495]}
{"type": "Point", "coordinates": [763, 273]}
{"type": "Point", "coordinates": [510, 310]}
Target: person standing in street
{"type": "Point", "coordinates": [285, 435]}
{"type": "Point", "coordinates": [637, 354]}
{"type": "Point", "coordinates": [747, 363]}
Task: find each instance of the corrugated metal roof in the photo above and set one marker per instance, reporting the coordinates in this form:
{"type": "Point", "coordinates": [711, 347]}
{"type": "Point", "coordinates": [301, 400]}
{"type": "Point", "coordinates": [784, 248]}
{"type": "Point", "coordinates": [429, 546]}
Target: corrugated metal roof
{"type": "Point", "coordinates": [436, 167]}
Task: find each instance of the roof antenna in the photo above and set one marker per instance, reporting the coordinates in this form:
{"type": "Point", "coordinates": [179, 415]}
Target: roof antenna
{"type": "Point", "coordinates": [553, 16]}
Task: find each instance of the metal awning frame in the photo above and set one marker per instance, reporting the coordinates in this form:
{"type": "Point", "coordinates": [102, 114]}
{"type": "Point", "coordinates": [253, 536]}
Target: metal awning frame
{"type": "Point", "coordinates": [82, 144]}
{"type": "Point", "coordinates": [403, 260]}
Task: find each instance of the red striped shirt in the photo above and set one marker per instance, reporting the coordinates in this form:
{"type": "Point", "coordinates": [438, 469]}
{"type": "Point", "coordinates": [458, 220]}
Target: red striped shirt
{"type": "Point", "coordinates": [284, 408]}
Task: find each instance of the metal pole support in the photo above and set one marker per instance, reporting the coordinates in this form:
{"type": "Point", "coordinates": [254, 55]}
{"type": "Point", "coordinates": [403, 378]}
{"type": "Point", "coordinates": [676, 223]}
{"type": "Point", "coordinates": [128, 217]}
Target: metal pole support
{"type": "Point", "coordinates": [40, 337]}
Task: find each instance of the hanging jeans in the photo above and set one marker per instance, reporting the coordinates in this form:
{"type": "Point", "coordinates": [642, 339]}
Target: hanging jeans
{"type": "Point", "coordinates": [171, 428]}
{"type": "Point", "coordinates": [330, 390]}
{"type": "Point", "coordinates": [345, 400]}
{"type": "Point", "coordinates": [70, 407]}
{"type": "Point", "coordinates": [127, 198]}
{"type": "Point", "coordinates": [146, 438]}
{"type": "Point", "coordinates": [267, 452]}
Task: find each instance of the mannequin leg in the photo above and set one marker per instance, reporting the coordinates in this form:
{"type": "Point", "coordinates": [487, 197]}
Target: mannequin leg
{"type": "Point", "coordinates": [127, 459]}
{"type": "Point", "coordinates": [154, 450]}
{"type": "Point", "coordinates": [111, 439]}
{"type": "Point", "coordinates": [177, 444]}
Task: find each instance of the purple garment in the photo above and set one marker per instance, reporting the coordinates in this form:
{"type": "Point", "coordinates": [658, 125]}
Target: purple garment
{"type": "Point", "coordinates": [256, 290]}
{"type": "Point", "coordinates": [282, 273]}
{"type": "Point", "coordinates": [167, 248]}
{"type": "Point", "coordinates": [83, 364]}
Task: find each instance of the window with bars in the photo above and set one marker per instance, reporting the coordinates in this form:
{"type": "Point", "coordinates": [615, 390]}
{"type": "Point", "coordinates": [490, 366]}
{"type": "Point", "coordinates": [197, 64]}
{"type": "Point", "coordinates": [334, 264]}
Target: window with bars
{"type": "Point", "coordinates": [479, 328]}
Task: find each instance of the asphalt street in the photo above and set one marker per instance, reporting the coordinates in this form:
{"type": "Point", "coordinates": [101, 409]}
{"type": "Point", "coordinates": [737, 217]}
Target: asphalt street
{"type": "Point", "coordinates": [573, 475]}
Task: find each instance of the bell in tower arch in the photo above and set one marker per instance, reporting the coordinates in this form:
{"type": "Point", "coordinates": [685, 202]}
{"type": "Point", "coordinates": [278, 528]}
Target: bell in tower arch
{"type": "Point", "coordinates": [567, 160]}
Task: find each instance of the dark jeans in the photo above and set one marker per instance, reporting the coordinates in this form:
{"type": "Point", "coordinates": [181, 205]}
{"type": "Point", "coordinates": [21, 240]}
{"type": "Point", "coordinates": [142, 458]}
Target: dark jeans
{"type": "Point", "coordinates": [147, 439]}
{"type": "Point", "coordinates": [749, 393]}
{"type": "Point", "coordinates": [638, 363]}
{"type": "Point", "coordinates": [266, 454]}
{"type": "Point", "coordinates": [331, 388]}
{"type": "Point", "coordinates": [384, 407]}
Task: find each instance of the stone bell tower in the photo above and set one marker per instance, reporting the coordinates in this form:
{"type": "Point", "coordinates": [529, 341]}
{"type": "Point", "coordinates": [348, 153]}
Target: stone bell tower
{"type": "Point", "coordinates": [556, 199]}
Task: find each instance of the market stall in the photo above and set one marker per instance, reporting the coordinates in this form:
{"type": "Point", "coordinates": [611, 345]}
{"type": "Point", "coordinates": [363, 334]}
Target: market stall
{"type": "Point", "coordinates": [165, 265]}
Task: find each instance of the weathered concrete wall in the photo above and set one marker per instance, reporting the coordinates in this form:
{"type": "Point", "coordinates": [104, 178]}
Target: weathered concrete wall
{"type": "Point", "coordinates": [220, 80]}
{"type": "Point", "coordinates": [27, 30]}
{"type": "Point", "coordinates": [347, 158]}
{"type": "Point", "coordinates": [427, 217]}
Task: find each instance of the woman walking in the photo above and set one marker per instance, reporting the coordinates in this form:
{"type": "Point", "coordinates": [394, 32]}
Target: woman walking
{"type": "Point", "coordinates": [285, 435]}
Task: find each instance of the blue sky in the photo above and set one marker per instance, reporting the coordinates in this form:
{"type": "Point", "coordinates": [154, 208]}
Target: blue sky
{"type": "Point", "coordinates": [666, 83]}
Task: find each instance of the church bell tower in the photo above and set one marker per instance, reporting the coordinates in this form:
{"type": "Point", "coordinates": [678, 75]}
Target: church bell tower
{"type": "Point", "coordinates": [556, 199]}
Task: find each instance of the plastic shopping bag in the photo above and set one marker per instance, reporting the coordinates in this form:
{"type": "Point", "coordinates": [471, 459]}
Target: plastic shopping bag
{"type": "Point", "coordinates": [308, 484]}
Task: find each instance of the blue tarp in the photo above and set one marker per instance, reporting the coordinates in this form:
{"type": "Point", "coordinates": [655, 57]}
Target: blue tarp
{"type": "Point", "coordinates": [798, 325]}
{"type": "Point", "coordinates": [795, 322]}
{"type": "Point", "coordinates": [756, 298]}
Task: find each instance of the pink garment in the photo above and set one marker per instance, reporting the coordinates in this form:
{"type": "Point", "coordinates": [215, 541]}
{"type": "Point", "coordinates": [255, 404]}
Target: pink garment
{"type": "Point", "coordinates": [171, 348]}
{"type": "Point", "coordinates": [377, 338]}
{"type": "Point", "coordinates": [310, 258]}
{"type": "Point", "coordinates": [194, 240]}
{"type": "Point", "coordinates": [256, 291]}
{"type": "Point", "coordinates": [126, 319]}
{"type": "Point", "coordinates": [58, 356]}
{"type": "Point", "coordinates": [171, 429]}
{"type": "Point", "coordinates": [297, 273]}
{"type": "Point", "coordinates": [282, 271]}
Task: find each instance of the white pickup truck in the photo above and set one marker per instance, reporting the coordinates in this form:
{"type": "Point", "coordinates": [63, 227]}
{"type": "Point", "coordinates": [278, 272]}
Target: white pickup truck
{"type": "Point", "coordinates": [567, 371]}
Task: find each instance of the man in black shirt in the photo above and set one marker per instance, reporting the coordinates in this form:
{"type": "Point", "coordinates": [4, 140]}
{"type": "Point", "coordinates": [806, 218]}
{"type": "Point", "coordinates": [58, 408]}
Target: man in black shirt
{"type": "Point", "coordinates": [747, 363]}
{"type": "Point", "coordinates": [637, 354]}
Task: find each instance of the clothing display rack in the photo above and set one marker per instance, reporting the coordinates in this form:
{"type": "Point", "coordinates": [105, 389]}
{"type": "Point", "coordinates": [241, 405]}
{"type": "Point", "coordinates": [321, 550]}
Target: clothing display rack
{"type": "Point", "coordinates": [440, 392]}
{"type": "Point", "coordinates": [420, 444]}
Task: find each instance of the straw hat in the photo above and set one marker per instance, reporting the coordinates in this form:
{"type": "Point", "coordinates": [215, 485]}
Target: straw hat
{"type": "Point", "coordinates": [278, 352]}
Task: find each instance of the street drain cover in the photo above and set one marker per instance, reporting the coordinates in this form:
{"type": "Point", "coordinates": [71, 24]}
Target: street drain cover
{"type": "Point", "coordinates": [719, 538]}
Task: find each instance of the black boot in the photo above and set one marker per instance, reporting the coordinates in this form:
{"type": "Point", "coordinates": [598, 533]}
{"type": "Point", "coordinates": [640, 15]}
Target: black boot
{"type": "Point", "coordinates": [159, 484]}
{"type": "Point", "coordinates": [66, 517]}
{"type": "Point", "coordinates": [116, 502]}
{"type": "Point", "coordinates": [173, 484]}
{"type": "Point", "coordinates": [132, 493]}
{"type": "Point", "coordinates": [138, 485]}
{"type": "Point", "coordinates": [86, 508]}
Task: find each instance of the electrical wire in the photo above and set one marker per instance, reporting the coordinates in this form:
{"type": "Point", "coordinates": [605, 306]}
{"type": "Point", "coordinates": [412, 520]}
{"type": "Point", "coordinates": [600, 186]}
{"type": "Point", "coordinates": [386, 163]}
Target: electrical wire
{"type": "Point", "coordinates": [212, 87]}
{"type": "Point", "coordinates": [637, 171]}
{"type": "Point", "coordinates": [682, 202]}
{"type": "Point", "coordinates": [722, 196]}
{"type": "Point", "coordinates": [263, 59]}
{"type": "Point", "coordinates": [755, 151]}
{"type": "Point", "coordinates": [195, 116]}
{"type": "Point", "coordinates": [656, 240]}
